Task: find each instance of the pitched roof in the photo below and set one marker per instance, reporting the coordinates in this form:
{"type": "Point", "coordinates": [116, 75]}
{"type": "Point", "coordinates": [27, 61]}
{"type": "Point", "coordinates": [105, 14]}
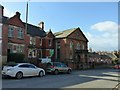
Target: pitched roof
{"type": "Point", "coordinates": [35, 30]}
{"type": "Point", "coordinates": [4, 20]}
{"type": "Point", "coordinates": [64, 33]}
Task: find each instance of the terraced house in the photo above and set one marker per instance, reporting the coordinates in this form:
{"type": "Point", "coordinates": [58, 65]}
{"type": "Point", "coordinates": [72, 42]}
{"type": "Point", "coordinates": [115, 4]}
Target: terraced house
{"type": "Point", "coordinates": [69, 46]}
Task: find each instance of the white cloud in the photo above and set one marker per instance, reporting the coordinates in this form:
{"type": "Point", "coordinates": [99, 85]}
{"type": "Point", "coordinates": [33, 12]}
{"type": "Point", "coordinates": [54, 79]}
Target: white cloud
{"type": "Point", "coordinates": [8, 13]}
{"type": "Point", "coordinates": [106, 26]}
{"type": "Point", "coordinates": [107, 40]}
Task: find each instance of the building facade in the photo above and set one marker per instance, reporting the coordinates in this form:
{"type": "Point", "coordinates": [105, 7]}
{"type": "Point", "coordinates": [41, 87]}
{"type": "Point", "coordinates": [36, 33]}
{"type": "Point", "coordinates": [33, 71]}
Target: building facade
{"type": "Point", "coordinates": [69, 46]}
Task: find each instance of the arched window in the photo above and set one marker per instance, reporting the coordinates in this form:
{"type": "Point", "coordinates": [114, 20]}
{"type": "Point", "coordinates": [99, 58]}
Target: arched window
{"type": "Point", "coordinates": [78, 46]}
{"type": "Point", "coordinates": [83, 47]}
{"type": "Point", "coordinates": [71, 50]}
{"type": "Point", "coordinates": [71, 45]}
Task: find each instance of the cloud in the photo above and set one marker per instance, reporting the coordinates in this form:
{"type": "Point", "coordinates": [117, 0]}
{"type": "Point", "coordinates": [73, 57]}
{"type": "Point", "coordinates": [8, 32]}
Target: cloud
{"type": "Point", "coordinates": [107, 39]}
{"type": "Point", "coordinates": [8, 13]}
{"type": "Point", "coordinates": [106, 26]}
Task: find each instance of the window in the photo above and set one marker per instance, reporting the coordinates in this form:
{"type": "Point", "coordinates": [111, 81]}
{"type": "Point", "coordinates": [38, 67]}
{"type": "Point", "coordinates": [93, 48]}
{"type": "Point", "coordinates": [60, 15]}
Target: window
{"type": "Point", "coordinates": [40, 42]}
{"type": "Point", "coordinates": [32, 53]}
{"type": "Point", "coordinates": [20, 33]}
{"type": "Point", "coordinates": [20, 48]}
{"type": "Point", "coordinates": [10, 31]}
{"type": "Point", "coordinates": [32, 40]}
{"type": "Point", "coordinates": [31, 66]}
{"type": "Point", "coordinates": [78, 46]}
{"type": "Point", "coordinates": [24, 66]}
{"type": "Point", "coordinates": [71, 45]}
{"type": "Point", "coordinates": [83, 47]}
{"type": "Point", "coordinates": [50, 42]}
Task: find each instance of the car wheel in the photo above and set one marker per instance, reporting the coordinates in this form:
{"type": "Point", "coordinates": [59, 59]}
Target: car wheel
{"type": "Point", "coordinates": [19, 75]}
{"type": "Point", "coordinates": [56, 72]}
{"type": "Point", "coordinates": [41, 73]}
{"type": "Point", "coordinates": [69, 71]}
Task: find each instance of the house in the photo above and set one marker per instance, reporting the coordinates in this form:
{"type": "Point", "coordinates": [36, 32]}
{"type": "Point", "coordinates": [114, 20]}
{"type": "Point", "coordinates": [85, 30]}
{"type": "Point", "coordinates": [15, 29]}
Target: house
{"type": "Point", "coordinates": [16, 39]}
{"type": "Point", "coordinates": [68, 46]}
{"type": "Point", "coordinates": [99, 58]}
{"type": "Point", "coordinates": [71, 47]}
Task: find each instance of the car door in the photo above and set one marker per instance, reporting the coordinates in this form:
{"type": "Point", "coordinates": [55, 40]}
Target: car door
{"type": "Point", "coordinates": [33, 70]}
{"type": "Point", "coordinates": [24, 68]}
{"type": "Point", "coordinates": [64, 67]}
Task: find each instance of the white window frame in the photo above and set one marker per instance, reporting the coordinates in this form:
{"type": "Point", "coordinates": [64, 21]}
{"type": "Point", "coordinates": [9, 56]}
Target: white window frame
{"type": "Point", "coordinates": [32, 40]}
{"type": "Point", "coordinates": [10, 31]}
{"type": "Point", "coordinates": [20, 33]}
{"type": "Point", "coordinates": [40, 41]}
{"type": "Point", "coordinates": [33, 52]}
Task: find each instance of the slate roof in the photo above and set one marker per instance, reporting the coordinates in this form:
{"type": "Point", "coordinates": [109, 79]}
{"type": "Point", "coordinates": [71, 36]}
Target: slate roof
{"type": "Point", "coordinates": [64, 33]}
{"type": "Point", "coordinates": [4, 19]}
{"type": "Point", "coordinates": [35, 30]}
{"type": "Point", "coordinates": [31, 29]}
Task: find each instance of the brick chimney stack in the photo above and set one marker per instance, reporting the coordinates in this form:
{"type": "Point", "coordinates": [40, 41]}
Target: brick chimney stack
{"type": "Point", "coordinates": [18, 14]}
{"type": "Point", "coordinates": [1, 10]}
{"type": "Point", "coordinates": [41, 25]}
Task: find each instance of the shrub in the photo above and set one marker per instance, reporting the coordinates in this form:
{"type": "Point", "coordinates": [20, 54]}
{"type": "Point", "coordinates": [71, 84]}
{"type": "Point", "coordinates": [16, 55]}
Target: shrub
{"type": "Point", "coordinates": [16, 57]}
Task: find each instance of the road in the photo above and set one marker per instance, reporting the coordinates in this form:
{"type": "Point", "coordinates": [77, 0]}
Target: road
{"type": "Point", "coordinates": [96, 78]}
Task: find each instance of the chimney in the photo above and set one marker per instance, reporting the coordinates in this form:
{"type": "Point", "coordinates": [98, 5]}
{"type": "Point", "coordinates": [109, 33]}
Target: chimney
{"type": "Point", "coordinates": [1, 10]}
{"type": "Point", "coordinates": [41, 25]}
{"type": "Point", "coordinates": [18, 14]}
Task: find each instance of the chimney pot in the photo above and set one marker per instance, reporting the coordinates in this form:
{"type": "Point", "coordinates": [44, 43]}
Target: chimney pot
{"type": "Point", "coordinates": [41, 25]}
{"type": "Point", "coordinates": [18, 14]}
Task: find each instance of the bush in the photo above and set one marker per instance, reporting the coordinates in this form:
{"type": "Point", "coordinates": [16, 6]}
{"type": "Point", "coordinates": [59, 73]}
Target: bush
{"type": "Point", "coordinates": [16, 57]}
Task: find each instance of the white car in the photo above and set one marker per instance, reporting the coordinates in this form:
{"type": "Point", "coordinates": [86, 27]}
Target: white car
{"type": "Point", "coordinates": [20, 70]}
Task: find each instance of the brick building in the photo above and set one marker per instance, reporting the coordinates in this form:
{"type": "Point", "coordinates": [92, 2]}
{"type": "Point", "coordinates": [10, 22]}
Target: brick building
{"type": "Point", "coordinates": [34, 42]}
{"type": "Point", "coordinates": [71, 47]}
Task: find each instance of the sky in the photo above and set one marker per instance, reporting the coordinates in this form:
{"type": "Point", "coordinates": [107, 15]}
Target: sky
{"type": "Point", "coordinates": [97, 20]}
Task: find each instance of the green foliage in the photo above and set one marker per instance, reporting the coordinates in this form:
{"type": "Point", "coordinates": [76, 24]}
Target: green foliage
{"type": "Point", "coordinates": [116, 61]}
{"type": "Point", "coordinates": [16, 57]}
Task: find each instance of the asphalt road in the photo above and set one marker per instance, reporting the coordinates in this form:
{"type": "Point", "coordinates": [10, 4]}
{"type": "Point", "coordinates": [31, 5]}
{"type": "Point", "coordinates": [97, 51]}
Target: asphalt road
{"type": "Point", "coordinates": [96, 78]}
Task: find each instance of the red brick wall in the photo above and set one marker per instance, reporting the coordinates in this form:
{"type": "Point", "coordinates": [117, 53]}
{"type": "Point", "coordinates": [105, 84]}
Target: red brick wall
{"type": "Point", "coordinates": [65, 46]}
{"type": "Point", "coordinates": [4, 39]}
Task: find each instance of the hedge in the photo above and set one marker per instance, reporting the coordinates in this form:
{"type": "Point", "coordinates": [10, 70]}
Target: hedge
{"type": "Point", "coordinates": [16, 57]}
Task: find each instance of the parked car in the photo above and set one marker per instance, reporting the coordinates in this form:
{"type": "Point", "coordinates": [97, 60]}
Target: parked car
{"type": "Point", "coordinates": [20, 70]}
{"type": "Point", "coordinates": [57, 67]}
{"type": "Point", "coordinates": [117, 66]}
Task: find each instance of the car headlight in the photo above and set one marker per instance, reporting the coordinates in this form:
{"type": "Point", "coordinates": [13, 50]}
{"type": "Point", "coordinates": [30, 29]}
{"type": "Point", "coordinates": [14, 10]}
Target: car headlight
{"type": "Point", "coordinates": [9, 69]}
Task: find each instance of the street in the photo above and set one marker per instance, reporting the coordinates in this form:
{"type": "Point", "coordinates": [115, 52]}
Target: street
{"type": "Point", "coordinates": [94, 78]}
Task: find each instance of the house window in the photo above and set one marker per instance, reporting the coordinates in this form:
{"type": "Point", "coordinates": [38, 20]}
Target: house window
{"type": "Point", "coordinates": [32, 40]}
{"type": "Point", "coordinates": [40, 42]}
{"type": "Point", "coordinates": [83, 47]}
{"type": "Point", "coordinates": [71, 50]}
{"type": "Point", "coordinates": [78, 46]}
{"type": "Point", "coordinates": [32, 53]}
{"type": "Point", "coordinates": [10, 31]}
{"type": "Point", "coordinates": [20, 48]}
{"type": "Point", "coordinates": [71, 45]}
{"type": "Point", "coordinates": [20, 33]}
{"type": "Point", "coordinates": [50, 42]}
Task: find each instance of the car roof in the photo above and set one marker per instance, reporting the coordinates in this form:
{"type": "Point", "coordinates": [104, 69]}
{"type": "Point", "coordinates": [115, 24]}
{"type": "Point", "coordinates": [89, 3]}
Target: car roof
{"type": "Point", "coordinates": [23, 63]}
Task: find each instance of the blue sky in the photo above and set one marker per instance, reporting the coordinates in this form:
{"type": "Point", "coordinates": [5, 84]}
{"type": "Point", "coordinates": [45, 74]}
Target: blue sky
{"type": "Point", "coordinates": [97, 20]}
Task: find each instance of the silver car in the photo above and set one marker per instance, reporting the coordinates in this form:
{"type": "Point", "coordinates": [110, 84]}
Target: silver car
{"type": "Point", "coordinates": [58, 67]}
